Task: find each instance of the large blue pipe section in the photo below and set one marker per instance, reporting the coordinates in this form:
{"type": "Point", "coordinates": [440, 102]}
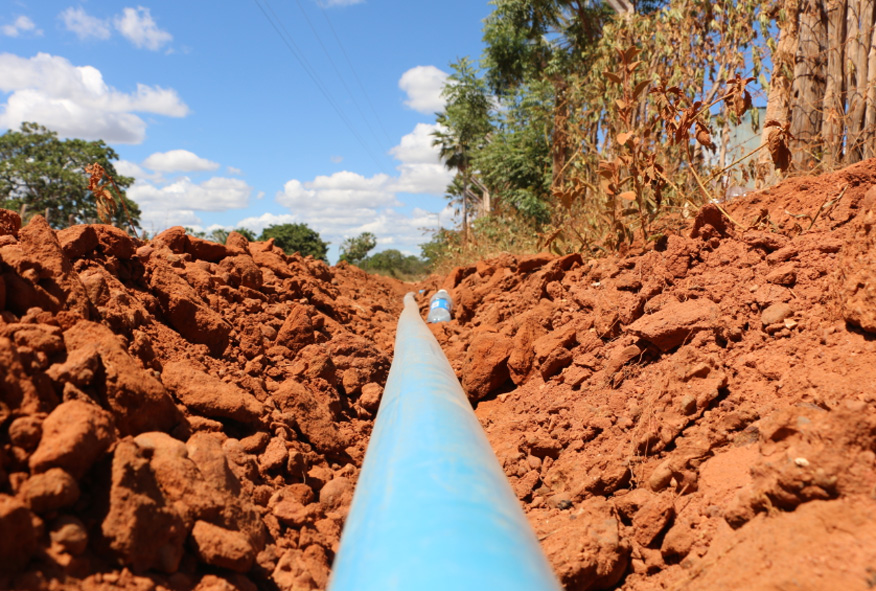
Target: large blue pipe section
{"type": "Point", "coordinates": [433, 509]}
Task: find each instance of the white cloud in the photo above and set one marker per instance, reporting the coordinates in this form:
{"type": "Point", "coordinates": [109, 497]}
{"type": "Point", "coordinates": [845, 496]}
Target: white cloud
{"type": "Point", "coordinates": [76, 102]}
{"type": "Point", "coordinates": [22, 24]}
{"type": "Point", "coordinates": [421, 170]}
{"type": "Point", "coordinates": [127, 168]}
{"type": "Point", "coordinates": [214, 194]}
{"type": "Point", "coordinates": [235, 171]}
{"type": "Point", "coordinates": [423, 85]}
{"type": "Point", "coordinates": [178, 161]}
{"type": "Point", "coordinates": [428, 179]}
{"type": "Point", "coordinates": [177, 203]}
{"type": "Point", "coordinates": [341, 190]}
{"type": "Point", "coordinates": [138, 27]}
{"type": "Point", "coordinates": [84, 25]}
{"type": "Point", "coordinates": [416, 147]}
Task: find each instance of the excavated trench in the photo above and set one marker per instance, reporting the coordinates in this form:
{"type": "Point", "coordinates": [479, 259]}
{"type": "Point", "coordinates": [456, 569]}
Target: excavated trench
{"type": "Point", "coordinates": [184, 415]}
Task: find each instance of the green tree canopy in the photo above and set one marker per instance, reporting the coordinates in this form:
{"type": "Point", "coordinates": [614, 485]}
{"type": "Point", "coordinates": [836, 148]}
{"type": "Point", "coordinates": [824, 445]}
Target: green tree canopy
{"type": "Point", "coordinates": [47, 175]}
{"type": "Point", "coordinates": [465, 126]}
{"type": "Point", "coordinates": [355, 249]}
{"type": "Point", "coordinates": [297, 238]}
{"type": "Point", "coordinates": [394, 264]}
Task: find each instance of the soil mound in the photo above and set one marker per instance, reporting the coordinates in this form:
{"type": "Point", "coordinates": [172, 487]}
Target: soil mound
{"type": "Point", "coordinates": [180, 414]}
{"type": "Point", "coordinates": [185, 415]}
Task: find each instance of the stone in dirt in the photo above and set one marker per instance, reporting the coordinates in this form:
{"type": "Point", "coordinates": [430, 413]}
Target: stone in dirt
{"type": "Point", "coordinates": [138, 401]}
{"type": "Point", "coordinates": [486, 364]}
{"type": "Point", "coordinates": [209, 396]}
{"type": "Point", "coordinates": [187, 313]}
{"type": "Point", "coordinates": [675, 323]}
{"type": "Point", "coordinates": [39, 242]}
{"type": "Point", "coordinates": [221, 547]}
{"type": "Point", "coordinates": [75, 435]}
{"type": "Point", "coordinates": [50, 491]}
{"type": "Point", "coordinates": [19, 539]}
{"type": "Point", "coordinates": [143, 531]}
{"type": "Point", "coordinates": [10, 223]}
{"type": "Point", "coordinates": [588, 552]}
{"type": "Point", "coordinates": [858, 270]}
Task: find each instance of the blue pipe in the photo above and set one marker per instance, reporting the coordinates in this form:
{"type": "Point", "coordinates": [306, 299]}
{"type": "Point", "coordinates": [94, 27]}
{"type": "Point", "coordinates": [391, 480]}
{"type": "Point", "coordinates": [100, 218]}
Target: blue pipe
{"type": "Point", "coordinates": [433, 509]}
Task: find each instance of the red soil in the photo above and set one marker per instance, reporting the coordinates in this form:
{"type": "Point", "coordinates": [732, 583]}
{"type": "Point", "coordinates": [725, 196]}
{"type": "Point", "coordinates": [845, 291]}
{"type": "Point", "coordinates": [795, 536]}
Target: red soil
{"type": "Point", "coordinates": [183, 415]}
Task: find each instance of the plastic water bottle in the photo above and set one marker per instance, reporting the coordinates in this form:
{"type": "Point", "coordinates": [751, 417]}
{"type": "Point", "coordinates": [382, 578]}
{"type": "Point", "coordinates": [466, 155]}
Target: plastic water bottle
{"type": "Point", "coordinates": [440, 306]}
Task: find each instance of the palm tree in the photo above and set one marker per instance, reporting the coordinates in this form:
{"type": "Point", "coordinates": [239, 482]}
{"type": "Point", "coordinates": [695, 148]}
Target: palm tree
{"type": "Point", "coordinates": [464, 126]}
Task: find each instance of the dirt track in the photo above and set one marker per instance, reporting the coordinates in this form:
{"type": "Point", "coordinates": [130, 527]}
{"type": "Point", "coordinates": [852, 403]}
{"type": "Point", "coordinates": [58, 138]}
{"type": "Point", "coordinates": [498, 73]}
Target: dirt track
{"type": "Point", "coordinates": [182, 415]}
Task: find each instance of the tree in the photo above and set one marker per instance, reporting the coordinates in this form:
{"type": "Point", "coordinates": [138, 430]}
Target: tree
{"type": "Point", "coordinates": [464, 127]}
{"type": "Point", "coordinates": [394, 264]}
{"type": "Point", "coordinates": [355, 249]}
{"type": "Point", "coordinates": [43, 174]}
{"type": "Point", "coordinates": [297, 238]}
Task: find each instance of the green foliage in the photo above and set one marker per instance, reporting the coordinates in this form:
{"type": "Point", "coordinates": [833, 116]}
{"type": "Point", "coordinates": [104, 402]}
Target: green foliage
{"type": "Point", "coordinates": [355, 249]}
{"type": "Point", "coordinates": [47, 174]}
{"type": "Point", "coordinates": [528, 40]}
{"type": "Point", "coordinates": [395, 264]}
{"type": "Point", "coordinates": [464, 127]}
{"type": "Point", "coordinates": [297, 238]}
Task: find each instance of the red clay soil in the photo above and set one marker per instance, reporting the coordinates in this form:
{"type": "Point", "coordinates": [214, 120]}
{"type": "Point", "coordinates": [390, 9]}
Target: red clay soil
{"type": "Point", "coordinates": [183, 415]}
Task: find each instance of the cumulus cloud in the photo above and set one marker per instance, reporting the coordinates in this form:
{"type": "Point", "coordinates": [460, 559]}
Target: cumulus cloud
{"type": "Point", "coordinates": [178, 161]}
{"type": "Point", "coordinates": [423, 85]}
{"type": "Point", "coordinates": [421, 170]}
{"type": "Point", "coordinates": [137, 26]}
{"type": "Point", "coordinates": [346, 204]}
{"type": "Point", "coordinates": [342, 190]}
{"type": "Point", "coordinates": [84, 25]}
{"type": "Point", "coordinates": [76, 102]}
{"type": "Point", "coordinates": [214, 194]}
{"type": "Point", "coordinates": [22, 24]}
{"type": "Point", "coordinates": [177, 203]}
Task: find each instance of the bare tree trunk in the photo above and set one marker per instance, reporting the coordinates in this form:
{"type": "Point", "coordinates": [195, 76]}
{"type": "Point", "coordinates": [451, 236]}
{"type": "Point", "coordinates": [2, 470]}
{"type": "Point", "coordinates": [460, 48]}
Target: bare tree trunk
{"type": "Point", "coordinates": [465, 211]}
{"type": "Point", "coordinates": [870, 114]}
{"type": "Point", "coordinates": [859, 21]}
{"type": "Point", "coordinates": [808, 88]}
{"type": "Point", "coordinates": [834, 106]}
{"type": "Point", "coordinates": [779, 97]}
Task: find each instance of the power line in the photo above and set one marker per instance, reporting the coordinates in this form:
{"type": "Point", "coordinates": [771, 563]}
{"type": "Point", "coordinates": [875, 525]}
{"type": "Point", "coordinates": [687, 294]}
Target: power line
{"type": "Point", "coordinates": [296, 52]}
{"type": "Point", "coordinates": [337, 72]}
{"type": "Point", "coordinates": [356, 76]}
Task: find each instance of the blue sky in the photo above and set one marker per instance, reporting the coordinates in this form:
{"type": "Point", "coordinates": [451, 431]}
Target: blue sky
{"type": "Point", "coordinates": [222, 125]}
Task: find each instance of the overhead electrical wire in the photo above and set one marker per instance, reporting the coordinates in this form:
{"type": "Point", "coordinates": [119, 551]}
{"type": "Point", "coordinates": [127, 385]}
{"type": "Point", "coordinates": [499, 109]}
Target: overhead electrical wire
{"type": "Point", "coordinates": [287, 39]}
{"type": "Point", "coordinates": [337, 72]}
{"type": "Point", "coordinates": [356, 76]}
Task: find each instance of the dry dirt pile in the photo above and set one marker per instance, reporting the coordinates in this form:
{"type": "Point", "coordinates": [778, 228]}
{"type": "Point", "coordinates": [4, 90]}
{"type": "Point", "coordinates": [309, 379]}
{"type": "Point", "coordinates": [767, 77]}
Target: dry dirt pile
{"type": "Point", "coordinates": [182, 415]}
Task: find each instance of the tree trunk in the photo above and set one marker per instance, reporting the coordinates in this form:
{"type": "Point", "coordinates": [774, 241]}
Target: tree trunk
{"type": "Point", "coordinates": [779, 97]}
{"type": "Point", "coordinates": [870, 112]}
{"type": "Point", "coordinates": [808, 87]}
{"type": "Point", "coordinates": [834, 106]}
{"type": "Point", "coordinates": [465, 210]}
{"type": "Point", "coordinates": [859, 22]}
